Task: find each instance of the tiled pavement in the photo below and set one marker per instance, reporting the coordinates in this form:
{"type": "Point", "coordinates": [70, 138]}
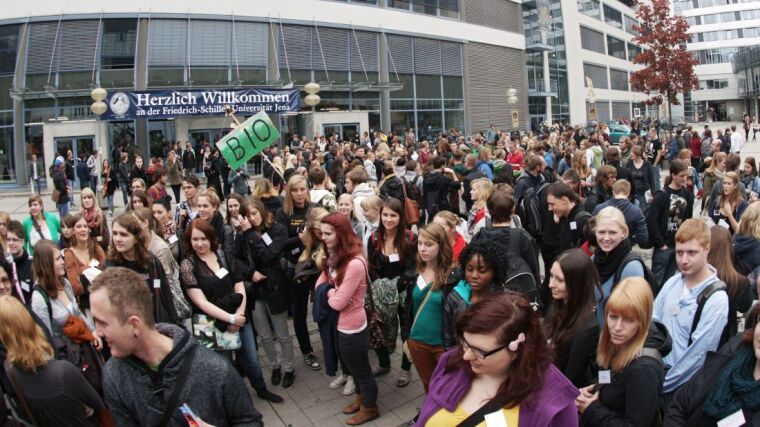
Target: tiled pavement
{"type": "Point", "coordinates": [310, 402]}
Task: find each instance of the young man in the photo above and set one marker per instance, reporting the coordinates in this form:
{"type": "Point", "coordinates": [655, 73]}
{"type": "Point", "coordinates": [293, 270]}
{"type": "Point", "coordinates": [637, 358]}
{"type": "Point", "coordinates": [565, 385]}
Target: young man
{"type": "Point", "coordinates": [155, 368]}
{"type": "Point", "coordinates": [92, 167]}
{"type": "Point", "coordinates": [669, 208]}
{"type": "Point", "coordinates": [676, 306]}
{"type": "Point", "coordinates": [158, 189]}
{"type": "Point", "coordinates": [22, 278]}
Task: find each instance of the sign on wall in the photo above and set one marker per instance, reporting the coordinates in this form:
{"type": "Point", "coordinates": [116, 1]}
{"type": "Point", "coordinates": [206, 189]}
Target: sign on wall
{"type": "Point", "coordinates": [163, 104]}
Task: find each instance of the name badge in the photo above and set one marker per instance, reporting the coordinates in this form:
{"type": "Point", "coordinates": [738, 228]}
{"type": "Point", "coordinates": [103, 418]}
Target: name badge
{"type": "Point", "coordinates": [724, 224]}
{"type": "Point", "coordinates": [267, 240]}
{"type": "Point", "coordinates": [496, 419]}
{"type": "Point", "coordinates": [94, 263]}
{"type": "Point", "coordinates": [605, 377]}
{"type": "Point", "coordinates": [25, 286]}
{"type": "Point", "coordinates": [295, 251]}
{"type": "Point", "coordinates": [421, 283]}
{"type": "Point", "coordinates": [734, 420]}
{"type": "Point", "coordinates": [173, 239]}
{"type": "Point", "coordinates": [573, 225]}
{"type": "Point", "coordinates": [674, 309]}
{"type": "Point", "coordinates": [222, 273]}
{"type": "Point", "coordinates": [393, 258]}
{"type": "Point", "coordinates": [156, 283]}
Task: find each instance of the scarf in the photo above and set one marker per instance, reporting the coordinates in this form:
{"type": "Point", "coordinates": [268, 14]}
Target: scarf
{"type": "Point", "coordinates": [93, 217]}
{"type": "Point", "coordinates": [169, 229]}
{"type": "Point", "coordinates": [607, 264]}
{"type": "Point", "coordinates": [736, 387]}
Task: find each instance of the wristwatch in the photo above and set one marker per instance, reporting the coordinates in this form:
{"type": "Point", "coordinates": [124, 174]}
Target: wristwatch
{"type": "Point", "coordinates": [231, 320]}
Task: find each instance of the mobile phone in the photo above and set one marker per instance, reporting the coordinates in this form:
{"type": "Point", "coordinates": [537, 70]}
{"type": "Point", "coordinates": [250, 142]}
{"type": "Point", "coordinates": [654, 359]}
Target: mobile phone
{"type": "Point", "coordinates": [190, 417]}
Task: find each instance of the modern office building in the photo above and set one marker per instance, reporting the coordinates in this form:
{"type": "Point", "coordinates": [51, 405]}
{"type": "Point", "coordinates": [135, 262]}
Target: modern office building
{"type": "Point", "coordinates": [746, 65]}
{"type": "Point", "coordinates": [719, 28]}
{"type": "Point", "coordinates": [568, 43]}
{"type": "Point", "coordinates": [429, 65]}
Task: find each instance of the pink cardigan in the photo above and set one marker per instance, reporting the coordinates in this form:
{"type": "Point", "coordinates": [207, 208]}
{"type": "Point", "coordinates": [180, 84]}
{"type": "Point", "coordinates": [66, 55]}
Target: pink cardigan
{"type": "Point", "coordinates": [348, 296]}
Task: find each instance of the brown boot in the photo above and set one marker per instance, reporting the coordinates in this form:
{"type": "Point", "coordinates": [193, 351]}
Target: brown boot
{"type": "Point", "coordinates": [354, 406]}
{"type": "Point", "coordinates": [365, 414]}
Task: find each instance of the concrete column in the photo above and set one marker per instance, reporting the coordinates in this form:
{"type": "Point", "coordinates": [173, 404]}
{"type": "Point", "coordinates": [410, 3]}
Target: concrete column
{"type": "Point", "coordinates": [385, 94]}
{"type": "Point", "coordinates": [19, 137]}
{"type": "Point", "coordinates": [141, 83]}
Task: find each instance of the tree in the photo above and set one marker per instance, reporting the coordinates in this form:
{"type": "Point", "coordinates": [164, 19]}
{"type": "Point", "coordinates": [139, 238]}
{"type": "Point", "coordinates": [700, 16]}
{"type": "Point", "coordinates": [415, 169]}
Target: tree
{"type": "Point", "coordinates": [669, 68]}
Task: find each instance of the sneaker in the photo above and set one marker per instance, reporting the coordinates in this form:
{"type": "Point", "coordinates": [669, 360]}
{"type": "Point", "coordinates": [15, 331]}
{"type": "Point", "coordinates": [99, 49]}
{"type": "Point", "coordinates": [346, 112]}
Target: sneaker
{"type": "Point", "coordinates": [403, 378]}
{"type": "Point", "coordinates": [311, 361]}
{"type": "Point", "coordinates": [338, 382]}
{"type": "Point", "coordinates": [269, 396]}
{"type": "Point", "coordinates": [350, 387]}
{"type": "Point", "coordinates": [379, 371]}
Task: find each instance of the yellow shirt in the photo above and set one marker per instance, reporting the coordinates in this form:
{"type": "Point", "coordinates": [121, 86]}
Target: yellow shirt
{"type": "Point", "coordinates": [444, 418]}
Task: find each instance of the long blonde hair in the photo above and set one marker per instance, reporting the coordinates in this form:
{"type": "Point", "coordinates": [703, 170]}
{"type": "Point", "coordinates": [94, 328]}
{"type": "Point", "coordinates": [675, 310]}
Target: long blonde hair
{"type": "Point", "coordinates": [750, 223]}
{"type": "Point", "coordinates": [294, 180]}
{"type": "Point", "coordinates": [312, 245]}
{"type": "Point", "coordinates": [484, 188]}
{"type": "Point", "coordinates": [27, 346]}
{"type": "Point", "coordinates": [632, 298]}
{"type": "Point", "coordinates": [735, 198]}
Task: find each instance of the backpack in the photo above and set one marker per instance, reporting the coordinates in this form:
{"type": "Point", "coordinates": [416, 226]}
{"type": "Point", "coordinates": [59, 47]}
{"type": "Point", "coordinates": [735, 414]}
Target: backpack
{"type": "Point", "coordinates": [716, 286]}
{"type": "Point", "coordinates": [530, 211]}
{"type": "Point", "coordinates": [648, 276]}
{"type": "Point", "coordinates": [578, 232]}
{"type": "Point", "coordinates": [672, 149]}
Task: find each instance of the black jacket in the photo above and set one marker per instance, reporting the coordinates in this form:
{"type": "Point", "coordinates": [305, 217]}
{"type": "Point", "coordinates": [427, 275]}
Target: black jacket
{"type": "Point", "coordinates": [435, 192]}
{"type": "Point", "coordinates": [267, 257]}
{"type": "Point", "coordinates": [580, 359]}
{"type": "Point", "coordinates": [566, 234]}
{"type": "Point", "coordinates": [407, 282]}
{"type": "Point", "coordinates": [634, 219]}
{"type": "Point", "coordinates": [632, 397]}
{"type": "Point", "coordinates": [528, 247]}
{"type": "Point", "coordinates": [598, 196]}
{"type": "Point", "coordinates": [624, 172]}
{"type": "Point", "coordinates": [685, 409]}
{"type": "Point", "coordinates": [747, 249]}
{"type": "Point", "coordinates": [666, 213]}
{"type": "Point", "coordinates": [24, 274]}
{"type": "Point", "coordinates": [139, 173]}
{"type": "Point", "coordinates": [472, 175]}
{"type": "Point", "coordinates": [59, 183]}
{"type": "Point", "coordinates": [392, 186]}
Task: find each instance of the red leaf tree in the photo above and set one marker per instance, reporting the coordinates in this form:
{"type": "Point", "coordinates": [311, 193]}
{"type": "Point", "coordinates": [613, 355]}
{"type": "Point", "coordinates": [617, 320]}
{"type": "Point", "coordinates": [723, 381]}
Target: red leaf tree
{"type": "Point", "coordinates": [668, 67]}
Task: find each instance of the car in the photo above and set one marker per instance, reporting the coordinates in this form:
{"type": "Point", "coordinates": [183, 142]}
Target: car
{"type": "Point", "coordinates": [617, 131]}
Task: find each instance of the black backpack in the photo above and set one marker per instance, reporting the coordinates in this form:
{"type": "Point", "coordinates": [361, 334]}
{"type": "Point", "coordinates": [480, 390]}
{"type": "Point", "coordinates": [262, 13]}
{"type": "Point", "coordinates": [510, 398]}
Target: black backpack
{"type": "Point", "coordinates": [648, 276]}
{"type": "Point", "coordinates": [716, 286]}
{"type": "Point", "coordinates": [530, 210]}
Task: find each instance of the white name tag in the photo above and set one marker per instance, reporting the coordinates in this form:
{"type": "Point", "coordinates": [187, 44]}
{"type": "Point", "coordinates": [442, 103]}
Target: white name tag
{"type": "Point", "coordinates": [295, 251]}
{"type": "Point", "coordinates": [734, 420]}
{"type": "Point", "coordinates": [604, 377]}
{"type": "Point", "coordinates": [173, 239]}
{"type": "Point", "coordinates": [156, 283]}
{"type": "Point", "coordinates": [267, 240]}
{"type": "Point", "coordinates": [496, 419]}
{"type": "Point", "coordinates": [393, 258]}
{"type": "Point", "coordinates": [94, 263]}
{"type": "Point", "coordinates": [421, 283]}
{"type": "Point", "coordinates": [25, 286]}
{"type": "Point", "coordinates": [724, 224]}
{"type": "Point", "coordinates": [222, 273]}
{"type": "Point", "coordinates": [573, 225]}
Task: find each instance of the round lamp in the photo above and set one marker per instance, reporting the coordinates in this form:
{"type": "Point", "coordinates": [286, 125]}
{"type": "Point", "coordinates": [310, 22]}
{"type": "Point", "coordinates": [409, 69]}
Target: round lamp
{"type": "Point", "coordinates": [512, 92]}
{"type": "Point", "coordinates": [98, 107]}
{"type": "Point", "coordinates": [311, 88]}
{"type": "Point", "coordinates": [512, 99]}
{"type": "Point", "coordinates": [311, 100]}
{"type": "Point", "coordinates": [98, 94]}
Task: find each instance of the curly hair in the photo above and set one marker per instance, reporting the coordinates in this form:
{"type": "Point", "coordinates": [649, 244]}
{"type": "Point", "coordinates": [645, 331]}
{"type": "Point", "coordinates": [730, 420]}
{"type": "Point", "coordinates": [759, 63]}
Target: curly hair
{"type": "Point", "coordinates": [491, 253]}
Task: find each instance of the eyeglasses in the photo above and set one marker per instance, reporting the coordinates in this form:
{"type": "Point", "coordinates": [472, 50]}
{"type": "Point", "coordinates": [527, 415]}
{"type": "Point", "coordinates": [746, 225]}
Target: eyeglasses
{"type": "Point", "coordinates": [480, 354]}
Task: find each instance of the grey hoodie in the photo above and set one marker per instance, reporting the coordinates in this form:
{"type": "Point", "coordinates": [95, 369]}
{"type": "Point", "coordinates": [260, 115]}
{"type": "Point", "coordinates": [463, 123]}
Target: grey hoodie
{"type": "Point", "coordinates": [361, 192]}
{"type": "Point", "coordinates": [214, 390]}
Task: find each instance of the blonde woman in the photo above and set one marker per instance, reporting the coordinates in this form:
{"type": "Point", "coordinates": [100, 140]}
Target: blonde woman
{"type": "Point", "coordinates": [635, 371]}
{"type": "Point", "coordinates": [54, 389]}
{"type": "Point", "coordinates": [747, 238]}
{"type": "Point", "coordinates": [263, 190]}
{"type": "Point", "coordinates": [480, 191]}
{"type": "Point", "coordinates": [727, 209]}
{"type": "Point", "coordinates": [96, 218]}
{"type": "Point", "coordinates": [585, 173]}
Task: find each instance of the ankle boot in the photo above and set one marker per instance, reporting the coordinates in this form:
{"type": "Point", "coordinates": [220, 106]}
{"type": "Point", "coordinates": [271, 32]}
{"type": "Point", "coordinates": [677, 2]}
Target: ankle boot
{"type": "Point", "coordinates": [365, 414]}
{"type": "Point", "coordinates": [354, 406]}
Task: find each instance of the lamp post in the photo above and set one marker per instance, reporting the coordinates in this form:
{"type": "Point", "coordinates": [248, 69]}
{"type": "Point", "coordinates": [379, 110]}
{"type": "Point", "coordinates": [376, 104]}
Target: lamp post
{"type": "Point", "coordinates": [98, 107]}
{"type": "Point", "coordinates": [512, 100]}
{"type": "Point", "coordinates": [312, 99]}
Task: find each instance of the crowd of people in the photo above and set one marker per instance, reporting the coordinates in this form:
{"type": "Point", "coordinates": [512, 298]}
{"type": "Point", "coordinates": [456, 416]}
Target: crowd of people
{"type": "Point", "coordinates": [507, 270]}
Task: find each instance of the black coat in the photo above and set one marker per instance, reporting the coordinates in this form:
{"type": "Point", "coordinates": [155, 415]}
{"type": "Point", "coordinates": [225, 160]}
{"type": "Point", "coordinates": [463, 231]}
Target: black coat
{"type": "Point", "coordinates": [392, 186]}
{"type": "Point", "coordinates": [266, 258]}
{"type": "Point", "coordinates": [435, 192]}
{"type": "Point", "coordinates": [472, 175]}
{"type": "Point", "coordinates": [59, 183]}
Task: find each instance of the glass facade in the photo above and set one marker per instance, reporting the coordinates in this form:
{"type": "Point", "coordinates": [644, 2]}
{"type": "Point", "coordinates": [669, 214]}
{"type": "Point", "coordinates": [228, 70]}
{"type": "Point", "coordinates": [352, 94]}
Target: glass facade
{"type": "Point", "coordinates": [613, 17]}
{"type": "Point", "coordinates": [8, 49]}
{"type": "Point", "coordinates": [590, 8]}
{"type": "Point", "coordinates": [444, 8]}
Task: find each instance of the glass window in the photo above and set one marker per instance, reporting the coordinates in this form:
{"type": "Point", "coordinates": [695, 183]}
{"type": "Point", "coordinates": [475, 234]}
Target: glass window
{"type": "Point", "coordinates": [407, 92]}
{"type": "Point", "coordinates": [618, 79]}
{"type": "Point", "coordinates": [454, 119]}
{"type": "Point", "coordinates": [428, 86]}
{"type": "Point", "coordinates": [8, 48]}
{"type": "Point", "coordinates": [633, 51]}
{"type": "Point", "coordinates": [590, 8]}
{"type": "Point", "coordinates": [166, 77]}
{"type": "Point", "coordinates": [251, 76]}
{"type": "Point", "coordinates": [592, 40]}
{"type": "Point", "coordinates": [6, 102]}
{"type": "Point", "coordinates": [452, 88]}
{"type": "Point", "coordinates": [74, 80]}
{"type": "Point", "coordinates": [613, 17]}
{"type": "Point", "coordinates": [117, 49]}
{"type": "Point", "coordinates": [615, 47]}
{"type": "Point", "coordinates": [429, 123]}
{"type": "Point", "coordinates": [207, 76]}
{"type": "Point", "coordinates": [713, 84]}
{"type": "Point", "coordinates": [117, 78]}
{"type": "Point", "coordinates": [401, 120]}
{"type": "Point", "coordinates": [597, 74]}
{"type": "Point", "coordinates": [630, 22]}
{"type": "Point", "coordinates": [7, 158]}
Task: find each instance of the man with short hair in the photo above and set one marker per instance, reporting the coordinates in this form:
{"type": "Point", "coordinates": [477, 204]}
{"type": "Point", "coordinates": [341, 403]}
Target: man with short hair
{"type": "Point", "coordinates": [532, 176]}
{"type": "Point", "coordinates": [155, 368]}
{"type": "Point", "coordinates": [22, 275]}
{"type": "Point", "coordinates": [188, 160]}
{"type": "Point", "coordinates": [634, 218]}
{"type": "Point", "coordinates": [435, 187]}
{"type": "Point", "coordinates": [160, 178]}
{"type": "Point", "coordinates": [736, 140]}
{"type": "Point", "coordinates": [676, 306]}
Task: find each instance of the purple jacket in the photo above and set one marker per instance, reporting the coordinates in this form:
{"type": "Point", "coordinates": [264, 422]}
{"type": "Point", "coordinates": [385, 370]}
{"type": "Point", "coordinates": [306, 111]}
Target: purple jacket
{"type": "Point", "coordinates": [555, 401]}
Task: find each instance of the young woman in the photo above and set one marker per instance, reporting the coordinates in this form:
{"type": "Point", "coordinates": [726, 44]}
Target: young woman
{"type": "Point", "coordinates": [571, 326]}
{"type": "Point", "coordinates": [263, 190]}
{"type": "Point", "coordinates": [721, 256]}
{"type": "Point", "coordinates": [292, 216]}
{"type": "Point", "coordinates": [110, 183]}
{"type": "Point", "coordinates": [54, 389]}
{"type": "Point", "coordinates": [613, 249]}
{"type": "Point", "coordinates": [750, 179]}
{"type": "Point", "coordinates": [122, 173]}
{"type": "Point", "coordinates": [53, 298]}
{"type": "Point", "coordinates": [346, 270]}
{"type": "Point", "coordinates": [139, 199]}
{"type": "Point", "coordinates": [371, 207]}
{"type": "Point", "coordinates": [165, 225]}
{"type": "Point", "coordinates": [187, 210]}
{"type": "Point", "coordinates": [642, 176]}
{"type": "Point", "coordinates": [264, 239]}
{"type": "Point", "coordinates": [208, 203]}
{"type": "Point", "coordinates": [501, 365]}
{"type": "Point", "coordinates": [67, 231]}
{"type": "Point", "coordinates": [480, 191]}
{"type": "Point", "coordinates": [174, 172]}
{"type": "Point", "coordinates": [219, 294]}
{"type": "Point", "coordinates": [726, 210]}
{"type": "Point", "coordinates": [83, 253]}
{"type": "Point", "coordinates": [129, 249]}
{"type": "Point", "coordinates": [62, 184]}
{"type": "Point", "coordinates": [713, 174]}
{"type": "Point", "coordinates": [346, 207]}
{"type": "Point", "coordinates": [631, 396]}
{"type": "Point", "coordinates": [138, 184]}
{"type": "Point", "coordinates": [39, 224]}
{"type": "Point", "coordinates": [585, 172]}
{"type": "Point", "coordinates": [449, 221]}
{"type": "Point", "coordinates": [391, 251]}
{"type": "Point", "coordinates": [96, 218]}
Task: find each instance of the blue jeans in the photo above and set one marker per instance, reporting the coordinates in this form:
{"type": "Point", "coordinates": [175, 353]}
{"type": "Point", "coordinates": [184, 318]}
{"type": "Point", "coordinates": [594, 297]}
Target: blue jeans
{"type": "Point", "coordinates": [110, 202]}
{"type": "Point", "coordinates": [663, 265]}
{"type": "Point", "coordinates": [63, 209]}
{"type": "Point", "coordinates": [125, 193]}
{"type": "Point", "coordinates": [249, 358]}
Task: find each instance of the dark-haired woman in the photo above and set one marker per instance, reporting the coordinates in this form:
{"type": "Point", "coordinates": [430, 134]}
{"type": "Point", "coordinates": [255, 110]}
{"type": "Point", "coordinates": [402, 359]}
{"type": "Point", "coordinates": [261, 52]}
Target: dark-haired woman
{"type": "Point", "coordinates": [110, 183]}
{"type": "Point", "coordinates": [501, 368]}
{"type": "Point", "coordinates": [264, 240]}
{"type": "Point", "coordinates": [721, 256]}
{"type": "Point", "coordinates": [391, 251]}
{"type": "Point", "coordinates": [84, 253]}
{"type": "Point", "coordinates": [166, 228]}
{"type": "Point", "coordinates": [346, 270]}
{"type": "Point", "coordinates": [571, 326]}
{"type": "Point", "coordinates": [139, 199]}
{"type": "Point", "coordinates": [129, 249]}
{"type": "Point", "coordinates": [642, 176]}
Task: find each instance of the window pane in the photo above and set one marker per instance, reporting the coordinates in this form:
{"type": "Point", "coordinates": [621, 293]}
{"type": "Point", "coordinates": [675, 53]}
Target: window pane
{"type": "Point", "coordinates": [408, 91]}
{"type": "Point", "coordinates": [430, 123]}
{"type": "Point", "coordinates": [6, 102]}
{"type": "Point", "coordinates": [592, 40]}
{"type": "Point", "coordinates": [208, 76]}
{"type": "Point", "coordinates": [7, 158]}
{"type": "Point", "coordinates": [428, 86]}
{"type": "Point", "coordinates": [166, 77]}
{"type": "Point", "coordinates": [613, 17]}
{"type": "Point", "coordinates": [75, 80]}
{"type": "Point", "coordinates": [8, 47]}
{"type": "Point", "coordinates": [597, 74]}
{"type": "Point", "coordinates": [590, 8]}
{"type": "Point", "coordinates": [117, 78]}
{"type": "Point", "coordinates": [251, 76]}
{"type": "Point", "coordinates": [452, 88]}
{"type": "Point", "coordinates": [401, 120]}
{"type": "Point", "coordinates": [615, 47]}
{"type": "Point", "coordinates": [118, 45]}
{"type": "Point", "coordinates": [454, 119]}
{"type": "Point", "coordinates": [618, 79]}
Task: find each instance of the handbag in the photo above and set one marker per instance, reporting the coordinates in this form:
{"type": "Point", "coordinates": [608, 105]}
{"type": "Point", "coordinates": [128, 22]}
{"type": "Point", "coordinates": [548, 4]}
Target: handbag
{"type": "Point", "coordinates": [405, 347]}
{"type": "Point", "coordinates": [375, 322]}
{"type": "Point", "coordinates": [411, 207]}
{"type": "Point", "coordinates": [56, 196]}
{"type": "Point", "coordinates": [211, 337]}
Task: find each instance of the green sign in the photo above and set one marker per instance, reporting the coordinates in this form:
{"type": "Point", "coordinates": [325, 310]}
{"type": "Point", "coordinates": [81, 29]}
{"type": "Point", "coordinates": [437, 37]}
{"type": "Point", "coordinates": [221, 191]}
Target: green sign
{"type": "Point", "coordinates": [248, 140]}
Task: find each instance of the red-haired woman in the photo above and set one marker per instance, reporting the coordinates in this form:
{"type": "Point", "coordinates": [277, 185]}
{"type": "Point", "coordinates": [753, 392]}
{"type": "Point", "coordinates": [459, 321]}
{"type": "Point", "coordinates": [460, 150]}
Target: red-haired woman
{"type": "Point", "coordinates": [501, 368]}
{"type": "Point", "coordinates": [346, 269]}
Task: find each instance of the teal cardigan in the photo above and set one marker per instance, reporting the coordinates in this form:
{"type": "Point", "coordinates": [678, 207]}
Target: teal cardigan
{"type": "Point", "coordinates": [53, 223]}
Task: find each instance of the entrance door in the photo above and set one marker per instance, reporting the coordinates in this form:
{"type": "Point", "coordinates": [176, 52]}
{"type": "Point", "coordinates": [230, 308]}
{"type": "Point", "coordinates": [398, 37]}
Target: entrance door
{"type": "Point", "coordinates": [79, 146]}
{"type": "Point", "coordinates": [536, 121]}
{"type": "Point", "coordinates": [201, 138]}
{"type": "Point", "coordinates": [345, 131]}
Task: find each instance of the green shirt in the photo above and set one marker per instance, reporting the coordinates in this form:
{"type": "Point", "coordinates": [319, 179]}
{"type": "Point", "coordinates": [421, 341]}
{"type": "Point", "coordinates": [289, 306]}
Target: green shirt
{"type": "Point", "coordinates": [427, 329]}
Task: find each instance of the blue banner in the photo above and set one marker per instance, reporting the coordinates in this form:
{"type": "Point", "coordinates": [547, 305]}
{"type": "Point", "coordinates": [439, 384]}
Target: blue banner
{"type": "Point", "coordinates": [163, 104]}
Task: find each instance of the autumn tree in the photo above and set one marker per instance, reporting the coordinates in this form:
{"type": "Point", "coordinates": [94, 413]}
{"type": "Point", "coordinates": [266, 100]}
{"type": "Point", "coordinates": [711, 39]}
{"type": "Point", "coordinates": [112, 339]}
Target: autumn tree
{"type": "Point", "coordinates": [668, 67]}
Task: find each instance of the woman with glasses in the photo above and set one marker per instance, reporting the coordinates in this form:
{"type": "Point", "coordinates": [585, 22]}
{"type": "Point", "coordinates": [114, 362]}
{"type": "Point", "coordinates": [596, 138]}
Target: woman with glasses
{"type": "Point", "coordinates": [500, 370]}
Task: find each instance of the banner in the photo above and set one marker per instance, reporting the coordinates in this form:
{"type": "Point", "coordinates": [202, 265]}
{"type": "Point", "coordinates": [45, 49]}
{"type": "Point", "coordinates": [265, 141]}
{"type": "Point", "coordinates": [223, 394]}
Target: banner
{"type": "Point", "coordinates": [248, 140]}
{"type": "Point", "coordinates": [164, 104]}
